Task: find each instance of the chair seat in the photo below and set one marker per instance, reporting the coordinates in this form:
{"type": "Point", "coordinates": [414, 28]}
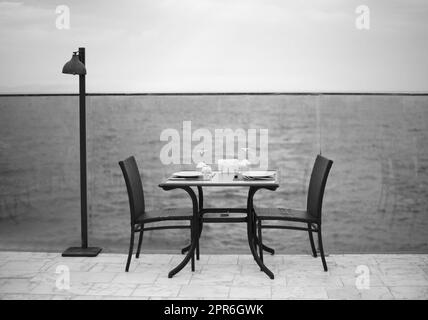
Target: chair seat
{"type": "Point", "coordinates": [165, 214]}
{"type": "Point", "coordinates": [283, 214]}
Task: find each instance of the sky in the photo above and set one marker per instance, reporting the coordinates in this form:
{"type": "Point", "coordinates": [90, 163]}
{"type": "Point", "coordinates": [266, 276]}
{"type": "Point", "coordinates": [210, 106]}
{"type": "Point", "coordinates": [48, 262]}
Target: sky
{"type": "Point", "coordinates": [216, 46]}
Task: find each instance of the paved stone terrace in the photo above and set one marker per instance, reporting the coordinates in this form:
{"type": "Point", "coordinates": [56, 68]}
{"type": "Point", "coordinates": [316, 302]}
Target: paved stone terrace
{"type": "Point", "coordinates": [34, 275]}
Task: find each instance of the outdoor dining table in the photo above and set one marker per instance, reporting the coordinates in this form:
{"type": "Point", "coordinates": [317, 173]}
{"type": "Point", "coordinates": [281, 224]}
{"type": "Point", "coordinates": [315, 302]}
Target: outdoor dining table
{"type": "Point", "coordinates": [225, 180]}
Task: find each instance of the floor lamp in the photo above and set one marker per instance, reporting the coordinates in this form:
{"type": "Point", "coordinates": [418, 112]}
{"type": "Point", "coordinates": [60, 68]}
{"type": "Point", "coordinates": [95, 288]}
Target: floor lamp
{"type": "Point", "coordinates": [77, 66]}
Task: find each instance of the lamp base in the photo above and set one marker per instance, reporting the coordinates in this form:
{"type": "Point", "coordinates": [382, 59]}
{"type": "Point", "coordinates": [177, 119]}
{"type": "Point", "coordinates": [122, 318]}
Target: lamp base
{"type": "Point", "coordinates": [81, 252]}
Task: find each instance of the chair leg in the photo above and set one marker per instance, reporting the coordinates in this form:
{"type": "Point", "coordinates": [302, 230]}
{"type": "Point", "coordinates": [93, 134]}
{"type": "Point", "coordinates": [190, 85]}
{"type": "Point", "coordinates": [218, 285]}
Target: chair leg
{"type": "Point", "coordinates": [131, 249]}
{"type": "Point", "coordinates": [260, 239]}
{"type": "Point", "coordinates": [197, 250]}
{"type": "Point", "coordinates": [311, 239]}
{"type": "Point", "coordinates": [324, 263]}
{"type": "Point", "coordinates": [197, 245]}
{"type": "Point", "coordinates": [193, 261]}
{"type": "Point", "coordinates": [140, 241]}
{"type": "Point", "coordinates": [192, 234]}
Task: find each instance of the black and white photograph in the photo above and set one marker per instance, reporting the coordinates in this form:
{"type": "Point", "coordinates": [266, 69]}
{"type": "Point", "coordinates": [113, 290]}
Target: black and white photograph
{"type": "Point", "coordinates": [213, 155]}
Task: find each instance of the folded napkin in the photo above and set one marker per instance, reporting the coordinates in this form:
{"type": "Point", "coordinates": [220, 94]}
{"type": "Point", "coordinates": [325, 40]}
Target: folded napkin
{"type": "Point", "coordinates": [245, 178]}
{"type": "Point", "coordinates": [259, 178]}
{"type": "Point", "coordinates": [174, 178]}
{"type": "Point", "coordinates": [185, 178]}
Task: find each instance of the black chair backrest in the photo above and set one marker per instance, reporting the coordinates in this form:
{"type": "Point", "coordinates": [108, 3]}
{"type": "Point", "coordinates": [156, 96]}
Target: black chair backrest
{"type": "Point", "coordinates": [134, 186]}
{"type": "Point", "coordinates": [317, 184]}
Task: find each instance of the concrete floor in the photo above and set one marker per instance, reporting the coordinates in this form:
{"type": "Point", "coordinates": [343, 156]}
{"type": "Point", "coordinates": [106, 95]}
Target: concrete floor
{"type": "Point", "coordinates": [35, 275]}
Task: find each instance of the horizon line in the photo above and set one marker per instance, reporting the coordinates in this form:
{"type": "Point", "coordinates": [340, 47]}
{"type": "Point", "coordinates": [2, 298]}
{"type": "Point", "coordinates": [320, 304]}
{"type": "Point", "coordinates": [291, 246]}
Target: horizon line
{"type": "Point", "coordinates": [379, 93]}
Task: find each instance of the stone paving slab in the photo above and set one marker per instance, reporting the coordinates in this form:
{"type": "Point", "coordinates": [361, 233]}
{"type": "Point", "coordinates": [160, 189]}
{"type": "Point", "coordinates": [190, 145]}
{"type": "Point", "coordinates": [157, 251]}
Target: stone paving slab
{"type": "Point", "coordinates": [48, 276]}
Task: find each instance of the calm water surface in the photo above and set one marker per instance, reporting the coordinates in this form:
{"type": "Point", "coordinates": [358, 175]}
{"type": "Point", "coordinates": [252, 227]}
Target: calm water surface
{"type": "Point", "coordinates": [376, 198]}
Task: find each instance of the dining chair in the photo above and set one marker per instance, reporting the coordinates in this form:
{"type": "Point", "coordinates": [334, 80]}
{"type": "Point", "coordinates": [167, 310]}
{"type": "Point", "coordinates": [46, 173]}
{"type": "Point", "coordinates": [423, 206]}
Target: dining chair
{"type": "Point", "coordinates": [311, 216]}
{"type": "Point", "coordinates": [139, 216]}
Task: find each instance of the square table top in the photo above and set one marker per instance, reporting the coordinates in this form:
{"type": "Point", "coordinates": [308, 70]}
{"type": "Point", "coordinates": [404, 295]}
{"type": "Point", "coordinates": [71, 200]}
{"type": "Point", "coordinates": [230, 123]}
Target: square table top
{"type": "Point", "coordinates": [221, 179]}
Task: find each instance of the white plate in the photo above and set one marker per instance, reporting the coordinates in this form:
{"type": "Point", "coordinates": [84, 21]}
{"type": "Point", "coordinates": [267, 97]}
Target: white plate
{"type": "Point", "coordinates": [258, 174]}
{"type": "Point", "coordinates": [188, 174]}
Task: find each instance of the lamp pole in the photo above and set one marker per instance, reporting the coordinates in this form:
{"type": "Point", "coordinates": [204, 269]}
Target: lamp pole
{"type": "Point", "coordinates": [84, 250]}
{"type": "Point", "coordinates": [83, 170]}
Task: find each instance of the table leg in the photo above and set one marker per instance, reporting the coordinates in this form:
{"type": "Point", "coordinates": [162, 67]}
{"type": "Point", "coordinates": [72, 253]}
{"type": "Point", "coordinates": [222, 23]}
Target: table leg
{"type": "Point", "coordinates": [251, 233]}
{"type": "Point", "coordinates": [200, 206]}
{"type": "Point", "coordinates": [260, 243]}
{"type": "Point", "coordinates": [195, 231]}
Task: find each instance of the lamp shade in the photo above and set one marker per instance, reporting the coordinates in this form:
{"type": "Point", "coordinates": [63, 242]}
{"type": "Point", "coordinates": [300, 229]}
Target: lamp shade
{"type": "Point", "coordinates": [74, 66]}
